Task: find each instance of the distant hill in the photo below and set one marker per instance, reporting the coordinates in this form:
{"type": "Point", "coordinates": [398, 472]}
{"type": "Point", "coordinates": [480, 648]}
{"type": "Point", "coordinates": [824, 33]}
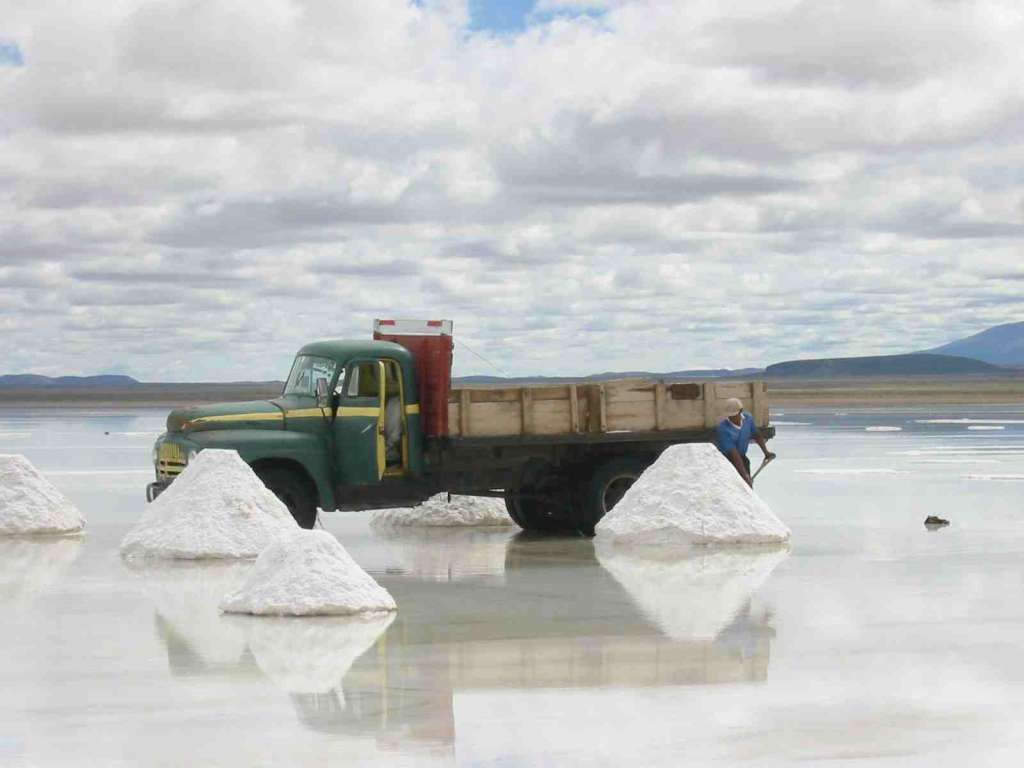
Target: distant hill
{"type": "Point", "coordinates": [715, 373]}
{"type": "Point", "coordinates": [999, 345]}
{"type": "Point", "coordinates": [32, 381]}
{"type": "Point", "coordinates": [916, 364]}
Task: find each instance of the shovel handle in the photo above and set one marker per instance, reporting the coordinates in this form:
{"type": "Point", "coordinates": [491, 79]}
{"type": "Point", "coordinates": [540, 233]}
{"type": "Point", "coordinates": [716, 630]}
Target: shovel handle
{"type": "Point", "coordinates": [764, 463]}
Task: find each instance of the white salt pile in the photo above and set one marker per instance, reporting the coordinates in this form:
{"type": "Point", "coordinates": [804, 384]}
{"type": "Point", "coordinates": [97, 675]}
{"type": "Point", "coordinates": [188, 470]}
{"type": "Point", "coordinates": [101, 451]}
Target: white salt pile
{"type": "Point", "coordinates": [216, 508]}
{"type": "Point", "coordinates": [311, 655]}
{"type": "Point", "coordinates": [307, 574]}
{"type": "Point", "coordinates": [691, 495]}
{"type": "Point", "coordinates": [29, 504]}
{"type": "Point", "coordinates": [694, 595]}
{"type": "Point", "coordinates": [438, 511]}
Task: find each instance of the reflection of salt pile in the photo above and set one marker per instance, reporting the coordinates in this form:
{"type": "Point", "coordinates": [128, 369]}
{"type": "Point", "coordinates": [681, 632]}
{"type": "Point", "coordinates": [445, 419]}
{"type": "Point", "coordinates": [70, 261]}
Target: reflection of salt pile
{"type": "Point", "coordinates": [443, 554]}
{"type": "Point", "coordinates": [438, 511]}
{"type": "Point", "coordinates": [311, 655]}
{"type": "Point", "coordinates": [216, 508]}
{"type": "Point", "coordinates": [30, 504]}
{"type": "Point", "coordinates": [28, 567]}
{"type": "Point", "coordinates": [308, 574]}
{"type": "Point", "coordinates": [691, 495]}
{"type": "Point", "coordinates": [186, 597]}
{"type": "Point", "coordinates": [695, 594]}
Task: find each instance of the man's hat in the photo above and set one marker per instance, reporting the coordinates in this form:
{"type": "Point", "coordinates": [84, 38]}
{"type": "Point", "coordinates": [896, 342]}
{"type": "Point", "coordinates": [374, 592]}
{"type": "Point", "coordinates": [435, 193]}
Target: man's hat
{"type": "Point", "coordinates": [733, 406]}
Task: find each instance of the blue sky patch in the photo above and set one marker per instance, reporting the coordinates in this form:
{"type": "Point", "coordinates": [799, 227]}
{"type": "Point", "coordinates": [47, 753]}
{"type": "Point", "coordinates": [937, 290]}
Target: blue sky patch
{"type": "Point", "coordinates": [501, 16]}
{"type": "Point", "coordinates": [10, 55]}
{"type": "Point", "coordinates": [513, 16]}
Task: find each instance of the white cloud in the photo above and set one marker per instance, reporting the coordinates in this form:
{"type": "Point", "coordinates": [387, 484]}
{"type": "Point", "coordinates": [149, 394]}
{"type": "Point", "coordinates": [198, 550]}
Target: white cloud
{"type": "Point", "coordinates": [666, 185]}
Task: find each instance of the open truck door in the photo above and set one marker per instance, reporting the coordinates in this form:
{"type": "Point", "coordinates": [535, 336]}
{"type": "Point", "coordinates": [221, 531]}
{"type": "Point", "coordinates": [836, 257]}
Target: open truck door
{"type": "Point", "coordinates": [359, 440]}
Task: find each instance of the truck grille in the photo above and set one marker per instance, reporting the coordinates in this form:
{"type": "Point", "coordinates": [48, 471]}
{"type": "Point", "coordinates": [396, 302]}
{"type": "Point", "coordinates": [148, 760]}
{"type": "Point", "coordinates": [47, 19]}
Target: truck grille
{"type": "Point", "coordinates": [171, 460]}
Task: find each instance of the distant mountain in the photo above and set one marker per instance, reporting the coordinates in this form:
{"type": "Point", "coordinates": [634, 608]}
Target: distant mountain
{"type": "Point", "coordinates": [715, 373]}
{"type": "Point", "coordinates": [33, 381]}
{"type": "Point", "coordinates": [917, 364]}
{"type": "Point", "coordinates": [999, 345]}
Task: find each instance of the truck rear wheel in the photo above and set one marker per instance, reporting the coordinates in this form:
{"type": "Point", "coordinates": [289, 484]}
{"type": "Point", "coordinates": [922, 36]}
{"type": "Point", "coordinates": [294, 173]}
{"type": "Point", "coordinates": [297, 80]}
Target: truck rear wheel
{"type": "Point", "coordinates": [606, 487]}
{"type": "Point", "coordinates": [512, 506]}
{"type": "Point", "coordinates": [538, 511]}
{"type": "Point", "coordinates": [541, 503]}
{"type": "Point", "coordinates": [294, 490]}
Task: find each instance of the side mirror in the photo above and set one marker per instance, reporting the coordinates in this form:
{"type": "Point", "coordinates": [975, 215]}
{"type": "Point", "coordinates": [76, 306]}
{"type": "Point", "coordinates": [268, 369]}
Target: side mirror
{"type": "Point", "coordinates": [323, 400]}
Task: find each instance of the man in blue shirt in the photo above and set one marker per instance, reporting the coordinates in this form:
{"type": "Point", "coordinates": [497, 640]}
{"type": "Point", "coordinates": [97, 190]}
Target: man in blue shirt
{"type": "Point", "coordinates": [733, 438]}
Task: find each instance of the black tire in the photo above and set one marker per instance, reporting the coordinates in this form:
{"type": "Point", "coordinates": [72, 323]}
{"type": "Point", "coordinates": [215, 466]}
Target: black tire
{"type": "Point", "coordinates": [544, 512]}
{"type": "Point", "coordinates": [294, 490]}
{"type": "Point", "coordinates": [512, 506]}
{"type": "Point", "coordinates": [606, 487]}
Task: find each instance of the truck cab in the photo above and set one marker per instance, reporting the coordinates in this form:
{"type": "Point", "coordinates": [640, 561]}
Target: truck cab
{"type": "Point", "coordinates": [348, 417]}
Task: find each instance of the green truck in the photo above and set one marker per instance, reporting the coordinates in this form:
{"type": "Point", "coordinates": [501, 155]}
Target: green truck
{"type": "Point", "coordinates": [376, 423]}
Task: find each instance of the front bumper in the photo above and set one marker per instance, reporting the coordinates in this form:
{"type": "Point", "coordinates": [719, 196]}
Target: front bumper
{"type": "Point", "coordinates": [171, 455]}
{"type": "Point", "coordinates": [155, 489]}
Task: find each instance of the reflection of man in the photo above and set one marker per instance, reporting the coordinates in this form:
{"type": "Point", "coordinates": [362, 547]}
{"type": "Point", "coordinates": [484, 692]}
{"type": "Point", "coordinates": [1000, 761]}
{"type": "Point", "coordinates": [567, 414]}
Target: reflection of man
{"type": "Point", "coordinates": [733, 438]}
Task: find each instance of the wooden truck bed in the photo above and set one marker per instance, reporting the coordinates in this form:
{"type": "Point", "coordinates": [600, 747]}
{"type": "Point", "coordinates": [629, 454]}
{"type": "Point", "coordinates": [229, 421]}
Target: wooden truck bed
{"type": "Point", "coordinates": [609, 407]}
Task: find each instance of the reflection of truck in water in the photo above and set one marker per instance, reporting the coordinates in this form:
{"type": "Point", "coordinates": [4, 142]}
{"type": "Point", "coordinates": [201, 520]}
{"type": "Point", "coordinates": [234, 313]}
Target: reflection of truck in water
{"type": "Point", "coordinates": [533, 633]}
{"type": "Point", "coordinates": [370, 424]}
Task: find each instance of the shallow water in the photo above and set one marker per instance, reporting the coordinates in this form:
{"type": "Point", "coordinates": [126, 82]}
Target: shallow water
{"type": "Point", "coordinates": [873, 641]}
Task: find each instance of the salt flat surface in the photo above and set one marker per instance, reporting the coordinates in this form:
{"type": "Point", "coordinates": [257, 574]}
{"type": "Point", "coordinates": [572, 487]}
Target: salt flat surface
{"type": "Point", "coordinates": [439, 511]}
{"type": "Point", "coordinates": [30, 565]}
{"type": "Point", "coordinates": [851, 471]}
{"type": "Point", "coordinates": [216, 508]}
{"type": "Point", "coordinates": [875, 643]}
{"type": "Point", "coordinates": [691, 495]}
{"type": "Point", "coordinates": [965, 420]}
{"type": "Point", "coordinates": [976, 476]}
{"type": "Point", "coordinates": [691, 594]}
{"type": "Point", "coordinates": [30, 504]}
{"type": "Point", "coordinates": [307, 574]}
{"type": "Point", "coordinates": [883, 428]}
{"type": "Point", "coordinates": [186, 596]}
{"type": "Point", "coordinates": [447, 554]}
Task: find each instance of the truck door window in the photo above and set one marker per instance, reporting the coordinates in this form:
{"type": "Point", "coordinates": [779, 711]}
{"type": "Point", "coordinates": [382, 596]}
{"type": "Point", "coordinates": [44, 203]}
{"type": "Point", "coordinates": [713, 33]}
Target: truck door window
{"type": "Point", "coordinates": [362, 380]}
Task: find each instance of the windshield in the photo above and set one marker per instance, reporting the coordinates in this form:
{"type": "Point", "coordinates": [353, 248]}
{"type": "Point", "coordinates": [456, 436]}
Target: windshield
{"type": "Point", "coordinates": [306, 371]}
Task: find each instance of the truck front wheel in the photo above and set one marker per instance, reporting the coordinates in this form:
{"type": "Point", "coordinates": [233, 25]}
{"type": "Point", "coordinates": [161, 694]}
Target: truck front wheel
{"type": "Point", "coordinates": [294, 490]}
{"type": "Point", "coordinates": [606, 487]}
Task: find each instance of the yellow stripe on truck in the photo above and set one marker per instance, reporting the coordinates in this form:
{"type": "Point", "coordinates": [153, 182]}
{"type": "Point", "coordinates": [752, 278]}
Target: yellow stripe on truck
{"type": "Point", "coordinates": [301, 413]}
{"type": "Point", "coordinates": [228, 417]}
{"type": "Point", "coordinates": [358, 411]}
{"type": "Point", "coordinates": [307, 413]}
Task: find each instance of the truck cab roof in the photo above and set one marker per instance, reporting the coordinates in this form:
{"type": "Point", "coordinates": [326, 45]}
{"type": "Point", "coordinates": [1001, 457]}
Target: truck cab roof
{"type": "Point", "coordinates": [343, 349]}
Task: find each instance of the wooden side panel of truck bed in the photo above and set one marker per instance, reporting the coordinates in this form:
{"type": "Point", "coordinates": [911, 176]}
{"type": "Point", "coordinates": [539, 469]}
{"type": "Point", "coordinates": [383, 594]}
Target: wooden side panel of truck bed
{"type": "Point", "coordinates": [626, 405]}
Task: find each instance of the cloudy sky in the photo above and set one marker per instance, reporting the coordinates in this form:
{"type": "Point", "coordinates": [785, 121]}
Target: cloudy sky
{"type": "Point", "coordinates": [191, 189]}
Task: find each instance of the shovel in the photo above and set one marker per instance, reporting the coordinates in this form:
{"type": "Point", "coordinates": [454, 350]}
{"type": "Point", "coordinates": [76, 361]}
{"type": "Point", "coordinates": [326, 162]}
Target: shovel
{"type": "Point", "coordinates": [767, 460]}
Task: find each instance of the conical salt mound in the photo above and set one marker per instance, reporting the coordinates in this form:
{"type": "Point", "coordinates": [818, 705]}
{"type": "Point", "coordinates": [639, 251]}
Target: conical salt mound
{"type": "Point", "coordinates": [29, 504]}
{"type": "Point", "coordinates": [691, 495]}
{"type": "Point", "coordinates": [438, 511]}
{"type": "Point", "coordinates": [308, 574]}
{"type": "Point", "coordinates": [216, 508]}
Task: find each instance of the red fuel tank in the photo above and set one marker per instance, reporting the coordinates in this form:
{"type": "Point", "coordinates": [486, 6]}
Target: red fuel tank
{"type": "Point", "coordinates": [430, 342]}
